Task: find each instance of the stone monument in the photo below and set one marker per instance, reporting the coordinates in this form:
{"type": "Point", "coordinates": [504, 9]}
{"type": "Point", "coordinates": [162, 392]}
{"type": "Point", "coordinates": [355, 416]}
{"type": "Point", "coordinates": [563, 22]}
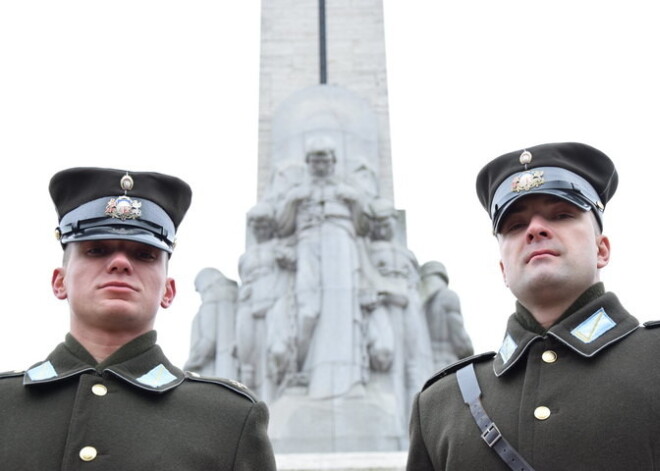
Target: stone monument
{"type": "Point", "coordinates": [333, 323]}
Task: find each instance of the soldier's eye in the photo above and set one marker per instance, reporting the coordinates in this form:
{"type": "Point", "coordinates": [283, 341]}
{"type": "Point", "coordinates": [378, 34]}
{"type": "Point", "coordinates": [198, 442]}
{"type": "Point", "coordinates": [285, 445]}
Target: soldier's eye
{"type": "Point", "coordinates": [95, 251]}
{"type": "Point", "coordinates": [146, 255]}
{"type": "Point", "coordinates": [512, 226]}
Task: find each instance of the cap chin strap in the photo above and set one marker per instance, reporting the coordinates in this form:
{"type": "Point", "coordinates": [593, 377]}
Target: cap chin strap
{"type": "Point", "coordinates": [100, 226]}
{"type": "Point", "coordinates": [469, 386]}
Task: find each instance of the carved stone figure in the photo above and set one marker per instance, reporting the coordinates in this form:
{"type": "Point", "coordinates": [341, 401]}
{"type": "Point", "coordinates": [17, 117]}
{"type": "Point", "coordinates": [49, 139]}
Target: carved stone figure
{"type": "Point", "coordinates": [336, 325]}
{"type": "Point", "coordinates": [398, 339]}
{"type": "Point", "coordinates": [323, 216]}
{"type": "Point", "coordinates": [449, 339]}
{"type": "Point", "coordinates": [265, 327]}
{"type": "Point", "coordinates": [212, 339]}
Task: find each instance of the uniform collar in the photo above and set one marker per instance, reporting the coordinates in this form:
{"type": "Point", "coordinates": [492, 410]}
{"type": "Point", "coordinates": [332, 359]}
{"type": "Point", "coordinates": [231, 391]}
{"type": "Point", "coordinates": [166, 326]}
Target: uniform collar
{"type": "Point", "coordinates": [140, 363]}
{"type": "Point", "coordinates": [589, 326]}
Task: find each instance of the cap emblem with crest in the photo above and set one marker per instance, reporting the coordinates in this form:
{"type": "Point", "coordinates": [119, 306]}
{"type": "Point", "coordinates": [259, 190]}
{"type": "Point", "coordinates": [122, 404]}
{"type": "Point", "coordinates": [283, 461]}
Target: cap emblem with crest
{"type": "Point", "coordinates": [123, 207]}
{"type": "Point", "coordinates": [527, 180]}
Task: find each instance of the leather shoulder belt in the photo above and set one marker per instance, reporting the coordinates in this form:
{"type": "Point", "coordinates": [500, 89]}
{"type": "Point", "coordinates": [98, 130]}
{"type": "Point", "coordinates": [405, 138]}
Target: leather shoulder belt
{"type": "Point", "coordinates": [467, 382]}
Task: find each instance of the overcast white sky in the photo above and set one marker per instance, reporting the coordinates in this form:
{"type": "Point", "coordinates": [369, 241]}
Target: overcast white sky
{"type": "Point", "coordinates": [173, 87]}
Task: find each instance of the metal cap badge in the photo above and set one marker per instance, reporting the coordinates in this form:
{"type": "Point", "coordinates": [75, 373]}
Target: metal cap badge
{"type": "Point", "coordinates": [123, 207]}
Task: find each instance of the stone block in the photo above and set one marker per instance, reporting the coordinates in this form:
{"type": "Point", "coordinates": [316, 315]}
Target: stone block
{"type": "Point", "coordinates": [386, 461]}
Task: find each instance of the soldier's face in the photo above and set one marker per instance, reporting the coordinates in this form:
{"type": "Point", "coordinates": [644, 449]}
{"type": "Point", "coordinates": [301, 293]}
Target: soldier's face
{"type": "Point", "coordinates": [114, 285]}
{"type": "Point", "coordinates": [550, 247]}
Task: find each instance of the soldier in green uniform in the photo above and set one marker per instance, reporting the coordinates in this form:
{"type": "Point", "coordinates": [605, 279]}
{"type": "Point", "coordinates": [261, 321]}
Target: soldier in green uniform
{"type": "Point", "coordinates": [107, 398]}
{"type": "Point", "coordinates": [575, 384]}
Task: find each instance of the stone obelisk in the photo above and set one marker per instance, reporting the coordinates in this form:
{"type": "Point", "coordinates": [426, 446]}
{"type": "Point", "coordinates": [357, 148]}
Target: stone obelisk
{"type": "Point", "coordinates": [323, 71]}
{"type": "Point", "coordinates": [311, 42]}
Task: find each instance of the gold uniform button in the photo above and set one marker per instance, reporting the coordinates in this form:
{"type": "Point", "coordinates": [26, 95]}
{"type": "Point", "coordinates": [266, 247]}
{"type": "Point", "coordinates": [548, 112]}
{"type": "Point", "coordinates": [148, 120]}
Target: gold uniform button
{"type": "Point", "coordinates": [99, 390]}
{"type": "Point", "coordinates": [549, 356]}
{"type": "Point", "coordinates": [88, 453]}
{"type": "Point", "coordinates": [542, 413]}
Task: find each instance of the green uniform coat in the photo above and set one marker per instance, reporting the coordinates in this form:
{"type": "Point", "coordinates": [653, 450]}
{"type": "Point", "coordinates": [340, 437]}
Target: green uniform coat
{"type": "Point", "coordinates": [602, 392]}
{"type": "Point", "coordinates": [134, 411]}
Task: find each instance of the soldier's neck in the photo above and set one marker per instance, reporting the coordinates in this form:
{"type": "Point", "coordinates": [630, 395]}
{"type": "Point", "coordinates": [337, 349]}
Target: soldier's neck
{"type": "Point", "coordinates": [101, 344]}
{"type": "Point", "coordinates": [549, 315]}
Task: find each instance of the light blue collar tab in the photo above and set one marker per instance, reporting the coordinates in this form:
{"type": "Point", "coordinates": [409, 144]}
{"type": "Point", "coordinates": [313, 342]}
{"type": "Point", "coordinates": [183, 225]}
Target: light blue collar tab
{"type": "Point", "coordinates": [594, 327]}
{"type": "Point", "coordinates": [42, 372]}
{"type": "Point", "coordinates": [507, 348]}
{"type": "Point", "coordinates": [157, 377]}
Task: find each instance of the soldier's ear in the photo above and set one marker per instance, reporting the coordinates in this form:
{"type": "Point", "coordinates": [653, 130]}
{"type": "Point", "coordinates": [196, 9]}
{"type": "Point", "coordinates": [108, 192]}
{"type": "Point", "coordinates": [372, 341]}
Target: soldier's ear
{"type": "Point", "coordinates": [603, 247]}
{"type": "Point", "coordinates": [168, 294]}
{"type": "Point", "coordinates": [57, 283]}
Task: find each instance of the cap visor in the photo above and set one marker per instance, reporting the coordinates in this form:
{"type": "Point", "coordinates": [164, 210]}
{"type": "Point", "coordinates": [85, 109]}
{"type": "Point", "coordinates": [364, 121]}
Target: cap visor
{"type": "Point", "coordinates": [571, 196]}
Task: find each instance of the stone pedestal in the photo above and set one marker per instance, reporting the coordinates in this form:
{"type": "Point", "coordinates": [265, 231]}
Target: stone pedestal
{"type": "Point", "coordinates": [392, 461]}
{"type": "Point", "coordinates": [364, 420]}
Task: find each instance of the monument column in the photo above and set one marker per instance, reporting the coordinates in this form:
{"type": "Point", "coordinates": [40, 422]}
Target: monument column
{"type": "Point", "coordinates": [354, 45]}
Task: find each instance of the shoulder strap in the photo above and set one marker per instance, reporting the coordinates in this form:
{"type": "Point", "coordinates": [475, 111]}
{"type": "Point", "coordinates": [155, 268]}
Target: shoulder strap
{"type": "Point", "coordinates": [652, 324]}
{"type": "Point", "coordinates": [11, 374]}
{"type": "Point", "coordinates": [454, 367]}
{"type": "Point", "coordinates": [230, 384]}
{"type": "Point", "coordinates": [467, 382]}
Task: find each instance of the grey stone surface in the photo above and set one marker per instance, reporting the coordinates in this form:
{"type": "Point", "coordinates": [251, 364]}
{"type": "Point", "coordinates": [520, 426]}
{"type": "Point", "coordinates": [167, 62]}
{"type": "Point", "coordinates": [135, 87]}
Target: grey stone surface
{"type": "Point", "coordinates": [334, 113]}
{"type": "Point", "coordinates": [264, 340]}
{"type": "Point", "coordinates": [449, 339]}
{"type": "Point", "coordinates": [322, 217]}
{"type": "Point", "coordinates": [398, 337]}
{"type": "Point", "coordinates": [362, 419]}
{"type": "Point", "coordinates": [289, 63]}
{"type": "Point", "coordinates": [334, 318]}
{"type": "Point", "coordinates": [392, 461]}
{"type": "Point", "coordinates": [213, 330]}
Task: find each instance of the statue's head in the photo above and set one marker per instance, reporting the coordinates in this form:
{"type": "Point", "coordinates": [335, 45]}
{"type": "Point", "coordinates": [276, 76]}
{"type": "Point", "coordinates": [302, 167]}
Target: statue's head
{"type": "Point", "coordinates": [320, 156]}
{"type": "Point", "coordinates": [383, 219]}
{"type": "Point", "coordinates": [434, 268]}
{"type": "Point", "coordinates": [261, 220]}
{"type": "Point", "coordinates": [207, 278]}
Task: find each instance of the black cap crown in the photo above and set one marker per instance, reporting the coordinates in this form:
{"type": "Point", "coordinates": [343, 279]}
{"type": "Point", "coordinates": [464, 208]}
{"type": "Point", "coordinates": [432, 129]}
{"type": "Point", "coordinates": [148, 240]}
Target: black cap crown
{"type": "Point", "coordinates": [572, 171]}
{"type": "Point", "coordinates": [102, 203]}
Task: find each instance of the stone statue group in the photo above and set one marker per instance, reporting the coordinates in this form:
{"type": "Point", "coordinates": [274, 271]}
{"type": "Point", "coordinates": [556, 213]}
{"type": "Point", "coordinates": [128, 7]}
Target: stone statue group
{"type": "Point", "coordinates": [330, 300]}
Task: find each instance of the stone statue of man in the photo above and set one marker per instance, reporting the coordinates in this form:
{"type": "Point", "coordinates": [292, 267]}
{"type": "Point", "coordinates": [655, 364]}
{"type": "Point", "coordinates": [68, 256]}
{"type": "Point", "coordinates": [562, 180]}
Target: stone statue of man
{"type": "Point", "coordinates": [213, 329]}
{"type": "Point", "coordinates": [449, 338]}
{"type": "Point", "coordinates": [396, 321]}
{"type": "Point", "coordinates": [265, 331]}
{"type": "Point", "coordinates": [322, 214]}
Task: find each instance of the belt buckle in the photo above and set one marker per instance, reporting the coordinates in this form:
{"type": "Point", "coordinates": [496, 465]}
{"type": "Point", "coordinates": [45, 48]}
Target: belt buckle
{"type": "Point", "coordinates": [491, 435]}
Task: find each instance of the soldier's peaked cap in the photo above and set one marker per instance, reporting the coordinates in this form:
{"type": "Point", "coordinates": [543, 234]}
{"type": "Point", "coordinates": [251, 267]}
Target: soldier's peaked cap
{"type": "Point", "coordinates": [575, 172]}
{"type": "Point", "coordinates": [103, 203]}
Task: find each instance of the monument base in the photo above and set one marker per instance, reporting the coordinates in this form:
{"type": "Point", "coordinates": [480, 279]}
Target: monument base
{"type": "Point", "coordinates": [364, 420]}
{"type": "Point", "coordinates": [379, 461]}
